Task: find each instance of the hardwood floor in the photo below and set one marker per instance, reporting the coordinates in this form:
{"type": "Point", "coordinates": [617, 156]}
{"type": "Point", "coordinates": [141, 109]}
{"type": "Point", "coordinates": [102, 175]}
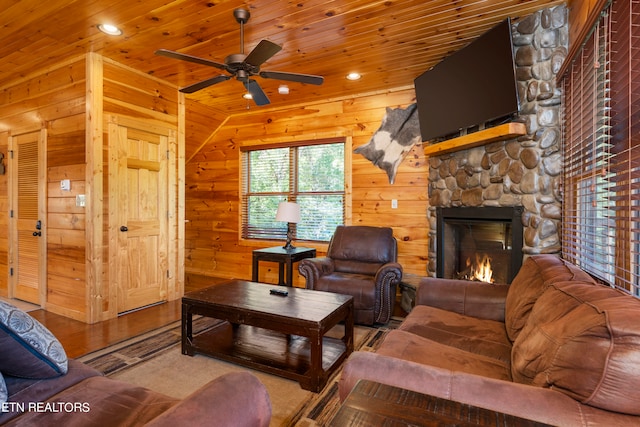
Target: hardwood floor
{"type": "Point", "coordinates": [80, 338]}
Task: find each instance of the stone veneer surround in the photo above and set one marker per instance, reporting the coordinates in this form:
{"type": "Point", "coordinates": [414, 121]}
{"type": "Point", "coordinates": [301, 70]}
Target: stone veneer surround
{"type": "Point", "coordinates": [526, 171]}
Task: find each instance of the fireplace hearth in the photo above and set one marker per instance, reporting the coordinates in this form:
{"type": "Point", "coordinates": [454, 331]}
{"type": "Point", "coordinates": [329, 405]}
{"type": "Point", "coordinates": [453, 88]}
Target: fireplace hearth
{"type": "Point", "coordinates": [479, 243]}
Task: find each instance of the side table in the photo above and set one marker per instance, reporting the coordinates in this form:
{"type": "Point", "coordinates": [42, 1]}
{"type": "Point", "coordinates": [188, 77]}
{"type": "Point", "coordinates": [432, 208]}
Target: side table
{"type": "Point", "coordinates": [408, 287]}
{"type": "Point", "coordinates": [284, 258]}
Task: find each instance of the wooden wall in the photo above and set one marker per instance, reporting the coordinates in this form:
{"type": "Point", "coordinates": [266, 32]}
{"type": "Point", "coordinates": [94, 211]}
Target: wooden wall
{"type": "Point", "coordinates": [53, 99]}
{"type": "Point", "coordinates": [213, 246]}
{"type": "Point", "coordinates": [66, 222]}
{"type": "Point", "coordinates": [72, 100]}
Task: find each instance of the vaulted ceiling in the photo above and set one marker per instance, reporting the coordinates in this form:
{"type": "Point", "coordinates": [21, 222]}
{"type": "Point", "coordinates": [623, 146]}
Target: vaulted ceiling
{"type": "Point", "coordinates": [389, 42]}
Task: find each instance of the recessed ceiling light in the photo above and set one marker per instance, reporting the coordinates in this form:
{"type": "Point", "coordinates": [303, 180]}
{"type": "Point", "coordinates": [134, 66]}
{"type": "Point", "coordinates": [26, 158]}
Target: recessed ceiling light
{"type": "Point", "coordinates": [354, 76]}
{"type": "Point", "coordinates": [247, 96]}
{"type": "Point", "coordinates": [110, 29]}
{"type": "Point", "coordinates": [283, 90]}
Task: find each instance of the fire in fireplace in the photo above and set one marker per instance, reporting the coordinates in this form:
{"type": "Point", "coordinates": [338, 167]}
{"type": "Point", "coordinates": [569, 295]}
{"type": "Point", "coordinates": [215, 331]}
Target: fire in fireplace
{"type": "Point", "coordinates": [479, 243]}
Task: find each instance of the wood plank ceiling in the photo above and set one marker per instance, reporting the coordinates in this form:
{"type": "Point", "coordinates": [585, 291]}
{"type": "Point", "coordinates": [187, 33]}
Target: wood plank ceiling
{"type": "Point", "coordinates": [388, 42]}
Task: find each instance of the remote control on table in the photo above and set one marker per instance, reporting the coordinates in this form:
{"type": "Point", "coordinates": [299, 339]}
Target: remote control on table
{"type": "Point", "coordinates": [279, 292]}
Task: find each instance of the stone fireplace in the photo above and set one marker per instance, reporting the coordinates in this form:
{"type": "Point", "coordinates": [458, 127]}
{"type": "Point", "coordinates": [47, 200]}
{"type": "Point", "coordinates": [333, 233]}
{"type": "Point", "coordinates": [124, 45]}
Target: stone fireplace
{"type": "Point", "coordinates": [523, 173]}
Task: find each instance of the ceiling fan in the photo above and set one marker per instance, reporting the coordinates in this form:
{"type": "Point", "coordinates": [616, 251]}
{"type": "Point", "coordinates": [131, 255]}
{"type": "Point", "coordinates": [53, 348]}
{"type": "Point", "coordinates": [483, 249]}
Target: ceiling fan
{"type": "Point", "coordinates": [242, 66]}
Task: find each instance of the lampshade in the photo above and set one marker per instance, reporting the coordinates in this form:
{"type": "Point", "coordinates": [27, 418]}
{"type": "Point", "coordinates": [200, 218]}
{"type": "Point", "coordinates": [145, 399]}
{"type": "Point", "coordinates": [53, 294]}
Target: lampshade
{"type": "Point", "coordinates": [288, 212]}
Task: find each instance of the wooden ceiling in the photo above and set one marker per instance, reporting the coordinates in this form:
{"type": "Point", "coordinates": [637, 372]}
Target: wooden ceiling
{"type": "Point", "coordinates": [389, 42]}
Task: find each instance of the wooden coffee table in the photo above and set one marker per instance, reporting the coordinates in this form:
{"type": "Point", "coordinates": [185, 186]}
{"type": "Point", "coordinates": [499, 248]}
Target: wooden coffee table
{"type": "Point", "coordinates": [374, 404]}
{"type": "Point", "coordinates": [281, 335]}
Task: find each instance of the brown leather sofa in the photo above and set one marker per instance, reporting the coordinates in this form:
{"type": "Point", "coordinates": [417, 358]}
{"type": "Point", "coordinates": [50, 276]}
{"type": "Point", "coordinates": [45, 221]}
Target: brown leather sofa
{"type": "Point", "coordinates": [554, 347]}
{"type": "Point", "coordinates": [40, 386]}
{"type": "Point", "coordinates": [362, 262]}
{"type": "Point", "coordinates": [83, 397]}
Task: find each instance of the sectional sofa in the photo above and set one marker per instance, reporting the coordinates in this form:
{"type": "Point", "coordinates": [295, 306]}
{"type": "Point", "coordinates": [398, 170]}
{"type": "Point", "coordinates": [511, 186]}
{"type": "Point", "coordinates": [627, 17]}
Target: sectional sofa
{"type": "Point", "coordinates": [554, 346]}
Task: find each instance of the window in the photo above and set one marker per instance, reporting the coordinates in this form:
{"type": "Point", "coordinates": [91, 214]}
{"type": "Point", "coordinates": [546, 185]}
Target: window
{"type": "Point", "coordinates": [310, 173]}
{"type": "Point", "coordinates": [601, 212]}
{"type": "Point", "coordinates": [594, 227]}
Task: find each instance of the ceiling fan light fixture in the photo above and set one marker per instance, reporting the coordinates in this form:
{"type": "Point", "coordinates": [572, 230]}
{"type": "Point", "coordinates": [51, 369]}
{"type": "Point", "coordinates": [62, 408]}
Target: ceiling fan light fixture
{"type": "Point", "coordinates": [244, 67]}
{"type": "Point", "coordinates": [110, 29]}
{"type": "Point", "coordinates": [354, 76]}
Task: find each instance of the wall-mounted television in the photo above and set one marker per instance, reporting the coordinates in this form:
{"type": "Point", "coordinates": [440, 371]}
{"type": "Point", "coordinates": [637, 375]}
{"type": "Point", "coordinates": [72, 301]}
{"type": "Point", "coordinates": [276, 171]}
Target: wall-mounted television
{"type": "Point", "coordinates": [473, 86]}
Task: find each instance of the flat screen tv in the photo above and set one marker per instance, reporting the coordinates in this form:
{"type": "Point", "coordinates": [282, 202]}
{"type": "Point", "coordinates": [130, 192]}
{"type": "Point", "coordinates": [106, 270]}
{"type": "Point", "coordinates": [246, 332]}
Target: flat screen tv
{"type": "Point", "coordinates": [473, 86]}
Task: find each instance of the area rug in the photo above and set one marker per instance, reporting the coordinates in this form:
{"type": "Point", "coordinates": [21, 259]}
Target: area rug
{"type": "Point", "coordinates": [154, 361]}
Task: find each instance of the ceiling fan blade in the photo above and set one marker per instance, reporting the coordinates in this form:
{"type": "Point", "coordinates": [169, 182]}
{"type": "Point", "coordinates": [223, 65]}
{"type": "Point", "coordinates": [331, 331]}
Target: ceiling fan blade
{"type": "Point", "coordinates": [262, 53]}
{"type": "Point", "coordinates": [257, 94]}
{"type": "Point", "coordinates": [205, 83]}
{"type": "Point", "coordinates": [185, 57]}
{"type": "Point", "coordinates": [293, 77]}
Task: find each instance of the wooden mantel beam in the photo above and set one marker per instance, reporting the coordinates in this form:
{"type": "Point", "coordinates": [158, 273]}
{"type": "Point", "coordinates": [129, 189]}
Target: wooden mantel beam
{"type": "Point", "coordinates": [476, 139]}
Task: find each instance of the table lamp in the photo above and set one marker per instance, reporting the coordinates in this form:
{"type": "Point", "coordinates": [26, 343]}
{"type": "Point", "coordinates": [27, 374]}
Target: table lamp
{"type": "Point", "coordinates": [288, 212]}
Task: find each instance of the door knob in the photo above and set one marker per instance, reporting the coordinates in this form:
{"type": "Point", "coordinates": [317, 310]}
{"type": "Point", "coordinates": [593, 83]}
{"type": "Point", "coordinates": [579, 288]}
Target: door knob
{"type": "Point", "coordinates": [124, 228]}
{"type": "Point", "coordinates": [37, 233]}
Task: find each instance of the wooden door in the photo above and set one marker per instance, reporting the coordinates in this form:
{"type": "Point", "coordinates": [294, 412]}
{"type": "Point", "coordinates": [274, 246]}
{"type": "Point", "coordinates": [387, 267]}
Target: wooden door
{"type": "Point", "coordinates": [141, 212]}
{"type": "Point", "coordinates": [28, 204]}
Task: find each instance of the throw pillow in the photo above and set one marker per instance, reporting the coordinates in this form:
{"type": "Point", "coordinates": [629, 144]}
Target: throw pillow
{"type": "Point", "coordinates": [27, 348]}
{"type": "Point", "coordinates": [4, 394]}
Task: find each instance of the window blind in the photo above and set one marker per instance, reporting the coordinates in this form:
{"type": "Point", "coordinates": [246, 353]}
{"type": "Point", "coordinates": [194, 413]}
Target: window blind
{"type": "Point", "coordinates": [601, 106]}
{"type": "Point", "coordinates": [310, 173]}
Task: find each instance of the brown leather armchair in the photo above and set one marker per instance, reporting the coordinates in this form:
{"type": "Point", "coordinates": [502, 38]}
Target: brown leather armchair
{"type": "Point", "coordinates": [362, 262]}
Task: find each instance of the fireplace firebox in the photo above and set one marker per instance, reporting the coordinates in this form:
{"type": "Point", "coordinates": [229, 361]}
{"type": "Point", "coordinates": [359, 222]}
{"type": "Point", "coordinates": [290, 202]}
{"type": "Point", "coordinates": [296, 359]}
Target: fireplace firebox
{"type": "Point", "coordinates": [479, 243]}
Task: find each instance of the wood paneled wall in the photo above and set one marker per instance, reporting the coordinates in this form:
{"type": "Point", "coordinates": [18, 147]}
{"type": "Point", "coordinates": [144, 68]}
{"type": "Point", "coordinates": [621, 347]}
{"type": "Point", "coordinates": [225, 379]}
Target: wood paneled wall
{"type": "Point", "coordinates": [66, 222]}
{"type": "Point", "coordinates": [213, 246]}
{"type": "Point", "coordinates": [54, 99]}
{"type": "Point", "coordinates": [72, 100]}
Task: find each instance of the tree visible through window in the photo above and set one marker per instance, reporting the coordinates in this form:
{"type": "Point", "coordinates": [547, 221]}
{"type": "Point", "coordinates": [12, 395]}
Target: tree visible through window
{"type": "Point", "coordinates": [310, 174]}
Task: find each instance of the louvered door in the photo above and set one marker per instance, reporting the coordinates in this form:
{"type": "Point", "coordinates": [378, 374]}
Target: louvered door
{"type": "Point", "coordinates": [28, 243]}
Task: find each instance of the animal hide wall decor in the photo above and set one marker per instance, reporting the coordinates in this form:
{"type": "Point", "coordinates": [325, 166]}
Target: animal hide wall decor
{"type": "Point", "coordinates": [398, 133]}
